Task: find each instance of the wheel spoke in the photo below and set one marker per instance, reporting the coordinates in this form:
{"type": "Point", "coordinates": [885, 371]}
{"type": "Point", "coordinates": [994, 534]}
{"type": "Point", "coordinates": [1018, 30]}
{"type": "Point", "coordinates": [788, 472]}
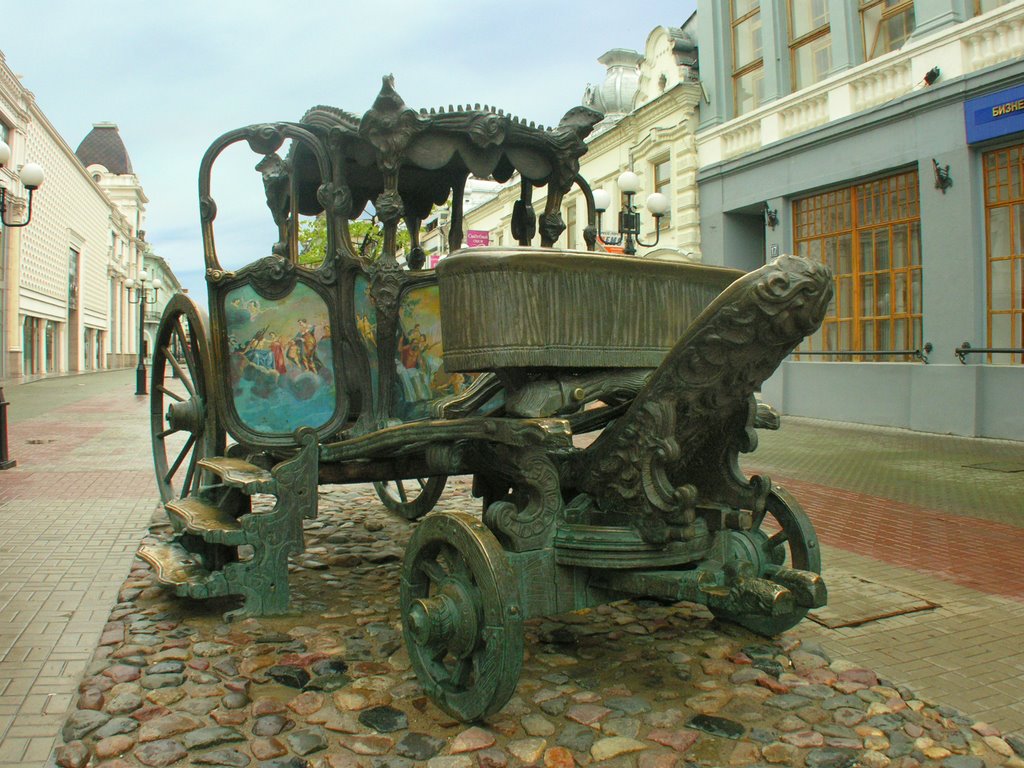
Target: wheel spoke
{"type": "Point", "coordinates": [167, 432]}
{"type": "Point", "coordinates": [460, 680]}
{"type": "Point", "coordinates": [185, 379]}
{"type": "Point", "coordinates": [190, 360]}
{"type": "Point", "coordinates": [401, 491]}
{"type": "Point", "coordinates": [181, 457]}
{"type": "Point", "coordinates": [422, 482]}
{"type": "Point", "coordinates": [433, 571]}
{"type": "Point", "coordinates": [778, 539]}
{"type": "Point", "coordinates": [170, 393]}
{"type": "Point", "coordinates": [190, 475]}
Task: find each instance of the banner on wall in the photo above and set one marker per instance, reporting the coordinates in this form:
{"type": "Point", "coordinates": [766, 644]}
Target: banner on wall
{"type": "Point", "coordinates": [477, 238]}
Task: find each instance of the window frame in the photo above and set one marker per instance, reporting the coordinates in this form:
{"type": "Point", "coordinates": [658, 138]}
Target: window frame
{"type": "Point", "coordinates": [888, 13]}
{"type": "Point", "coordinates": [852, 212]}
{"type": "Point", "coordinates": [755, 64]}
{"type": "Point", "coordinates": [659, 185]}
{"type": "Point", "coordinates": [806, 39]}
{"type": "Point", "coordinates": [1002, 196]}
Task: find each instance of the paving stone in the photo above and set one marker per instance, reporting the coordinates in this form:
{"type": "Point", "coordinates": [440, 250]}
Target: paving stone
{"type": "Point", "coordinates": [419, 746]}
{"type": "Point", "coordinates": [307, 741]}
{"type": "Point", "coordinates": [614, 746]}
{"type": "Point", "coordinates": [289, 675]}
{"type": "Point", "coordinates": [211, 736]}
{"type": "Point", "coordinates": [113, 746]}
{"type": "Point", "coordinates": [471, 740]}
{"type": "Point", "coordinates": [74, 754]}
{"type": "Point", "coordinates": [116, 726]}
{"type": "Point", "coordinates": [158, 754]}
{"type": "Point", "coordinates": [229, 758]}
{"type": "Point", "coordinates": [716, 726]}
{"type": "Point", "coordinates": [384, 719]}
{"type": "Point", "coordinates": [81, 723]}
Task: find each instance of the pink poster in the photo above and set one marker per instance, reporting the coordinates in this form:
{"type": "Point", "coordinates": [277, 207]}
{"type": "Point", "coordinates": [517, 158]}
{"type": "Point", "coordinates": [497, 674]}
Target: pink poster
{"type": "Point", "coordinates": [477, 237]}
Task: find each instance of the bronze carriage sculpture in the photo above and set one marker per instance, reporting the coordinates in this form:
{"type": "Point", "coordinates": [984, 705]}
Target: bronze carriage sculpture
{"type": "Point", "coordinates": [322, 374]}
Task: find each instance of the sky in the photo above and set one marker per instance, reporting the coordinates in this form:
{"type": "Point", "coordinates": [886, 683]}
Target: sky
{"type": "Point", "coordinates": [175, 76]}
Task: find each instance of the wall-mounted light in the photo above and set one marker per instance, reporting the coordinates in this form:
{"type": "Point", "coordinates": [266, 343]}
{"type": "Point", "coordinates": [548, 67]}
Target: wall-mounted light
{"type": "Point", "coordinates": [771, 216]}
{"type": "Point", "coordinates": [943, 180]}
{"type": "Point", "coordinates": [31, 175]}
{"type": "Point", "coordinates": [932, 75]}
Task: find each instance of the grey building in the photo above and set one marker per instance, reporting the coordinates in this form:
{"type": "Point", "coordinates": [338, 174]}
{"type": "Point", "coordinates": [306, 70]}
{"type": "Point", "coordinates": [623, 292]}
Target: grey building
{"type": "Point", "coordinates": [886, 138]}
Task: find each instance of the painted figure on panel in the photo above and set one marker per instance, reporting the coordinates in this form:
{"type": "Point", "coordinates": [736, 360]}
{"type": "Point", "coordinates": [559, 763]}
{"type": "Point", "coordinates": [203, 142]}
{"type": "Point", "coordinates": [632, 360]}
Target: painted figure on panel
{"type": "Point", "coordinates": [281, 359]}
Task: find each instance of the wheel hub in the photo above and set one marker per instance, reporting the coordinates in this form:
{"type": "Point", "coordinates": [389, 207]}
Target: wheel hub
{"type": "Point", "coordinates": [449, 619]}
{"type": "Point", "coordinates": [186, 415]}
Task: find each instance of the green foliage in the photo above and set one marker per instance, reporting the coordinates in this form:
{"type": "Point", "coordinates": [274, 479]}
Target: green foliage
{"type": "Point", "coordinates": [367, 237]}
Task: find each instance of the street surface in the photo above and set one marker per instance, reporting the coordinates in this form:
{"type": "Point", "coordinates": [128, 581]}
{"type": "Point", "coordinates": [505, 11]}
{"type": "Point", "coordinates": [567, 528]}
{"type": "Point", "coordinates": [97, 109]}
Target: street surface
{"type": "Point", "coordinates": [924, 556]}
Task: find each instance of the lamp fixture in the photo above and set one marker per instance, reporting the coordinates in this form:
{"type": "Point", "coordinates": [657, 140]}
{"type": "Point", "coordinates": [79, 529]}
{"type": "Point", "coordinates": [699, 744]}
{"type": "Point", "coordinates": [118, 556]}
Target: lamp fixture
{"type": "Point", "coordinates": [31, 175]}
{"type": "Point", "coordinates": [139, 293]}
{"type": "Point", "coordinates": [932, 75]}
{"type": "Point", "coordinates": [943, 180]}
{"type": "Point", "coordinates": [629, 217]}
{"type": "Point", "coordinates": [771, 216]}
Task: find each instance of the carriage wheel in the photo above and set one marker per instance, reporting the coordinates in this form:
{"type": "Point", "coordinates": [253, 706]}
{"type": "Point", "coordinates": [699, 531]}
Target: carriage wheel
{"type": "Point", "coordinates": [789, 541]}
{"type": "Point", "coordinates": [182, 423]}
{"type": "Point", "coordinates": [411, 499]}
{"type": "Point", "coordinates": [461, 615]}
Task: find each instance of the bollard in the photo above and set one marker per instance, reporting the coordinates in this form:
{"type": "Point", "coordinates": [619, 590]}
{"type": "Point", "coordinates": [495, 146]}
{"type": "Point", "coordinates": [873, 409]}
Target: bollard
{"type": "Point", "coordinates": [5, 462]}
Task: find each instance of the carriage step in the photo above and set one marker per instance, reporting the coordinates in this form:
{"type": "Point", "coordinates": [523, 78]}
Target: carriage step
{"type": "Point", "coordinates": [173, 565]}
{"type": "Point", "coordinates": [204, 519]}
{"type": "Point", "coordinates": [240, 474]}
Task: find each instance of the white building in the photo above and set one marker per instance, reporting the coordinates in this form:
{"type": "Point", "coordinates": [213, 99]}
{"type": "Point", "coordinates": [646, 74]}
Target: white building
{"type": "Point", "coordinates": [63, 304]}
{"type": "Point", "coordinates": [650, 102]}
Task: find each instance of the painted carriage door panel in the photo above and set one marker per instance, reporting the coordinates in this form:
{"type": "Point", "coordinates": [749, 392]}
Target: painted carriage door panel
{"type": "Point", "coordinates": [422, 377]}
{"type": "Point", "coordinates": [281, 361]}
{"type": "Point", "coordinates": [366, 323]}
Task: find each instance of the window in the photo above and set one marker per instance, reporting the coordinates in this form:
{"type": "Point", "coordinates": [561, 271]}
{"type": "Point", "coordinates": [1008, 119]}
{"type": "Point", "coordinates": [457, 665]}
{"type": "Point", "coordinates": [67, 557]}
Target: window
{"type": "Point", "coordinates": [663, 184]}
{"type": "Point", "coordinates": [984, 6]}
{"type": "Point", "coordinates": [870, 236]}
{"type": "Point", "coordinates": [1004, 219]}
{"type": "Point", "coordinates": [887, 24]}
{"type": "Point", "coordinates": [747, 64]}
{"type": "Point", "coordinates": [570, 225]}
{"type": "Point", "coordinates": [810, 42]}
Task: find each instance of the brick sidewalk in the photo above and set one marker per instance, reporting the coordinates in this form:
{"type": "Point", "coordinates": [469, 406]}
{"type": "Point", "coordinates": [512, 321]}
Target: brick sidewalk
{"type": "Point", "coordinates": [72, 513]}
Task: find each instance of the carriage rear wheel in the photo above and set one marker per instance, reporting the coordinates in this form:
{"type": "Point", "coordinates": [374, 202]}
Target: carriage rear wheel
{"type": "Point", "coordinates": [182, 420]}
{"type": "Point", "coordinates": [412, 498]}
{"type": "Point", "coordinates": [782, 535]}
{"type": "Point", "coordinates": [461, 615]}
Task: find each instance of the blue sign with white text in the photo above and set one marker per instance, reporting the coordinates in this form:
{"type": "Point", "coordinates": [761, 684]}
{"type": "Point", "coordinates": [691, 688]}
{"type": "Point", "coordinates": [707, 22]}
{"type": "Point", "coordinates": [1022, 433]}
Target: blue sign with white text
{"type": "Point", "coordinates": [995, 115]}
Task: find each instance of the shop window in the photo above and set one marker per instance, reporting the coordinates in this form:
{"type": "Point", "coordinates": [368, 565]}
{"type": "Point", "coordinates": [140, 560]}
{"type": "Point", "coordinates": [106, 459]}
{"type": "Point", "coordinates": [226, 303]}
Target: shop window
{"type": "Point", "coordinates": [663, 183]}
{"type": "Point", "coordinates": [869, 235]}
{"type": "Point", "coordinates": [886, 25]}
{"type": "Point", "coordinates": [748, 65]}
{"type": "Point", "coordinates": [810, 42]}
{"type": "Point", "coordinates": [1004, 246]}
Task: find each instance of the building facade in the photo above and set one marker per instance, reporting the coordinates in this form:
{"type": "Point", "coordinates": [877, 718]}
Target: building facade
{"type": "Point", "coordinates": [650, 102]}
{"type": "Point", "coordinates": [886, 138]}
{"type": "Point", "coordinates": [63, 302]}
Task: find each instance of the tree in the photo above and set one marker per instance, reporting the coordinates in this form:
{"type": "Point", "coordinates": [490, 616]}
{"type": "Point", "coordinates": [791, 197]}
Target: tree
{"type": "Point", "coordinates": [367, 237]}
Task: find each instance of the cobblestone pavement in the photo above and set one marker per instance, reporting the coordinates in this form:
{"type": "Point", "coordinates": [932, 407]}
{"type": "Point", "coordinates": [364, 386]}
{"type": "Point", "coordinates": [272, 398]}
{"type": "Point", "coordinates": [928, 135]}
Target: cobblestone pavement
{"type": "Point", "coordinates": [153, 680]}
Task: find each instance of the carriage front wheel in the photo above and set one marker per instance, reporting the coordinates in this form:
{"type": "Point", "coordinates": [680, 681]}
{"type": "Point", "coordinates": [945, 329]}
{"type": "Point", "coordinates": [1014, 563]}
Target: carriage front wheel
{"type": "Point", "coordinates": [461, 615]}
{"type": "Point", "coordinates": [413, 498]}
{"type": "Point", "coordinates": [182, 422]}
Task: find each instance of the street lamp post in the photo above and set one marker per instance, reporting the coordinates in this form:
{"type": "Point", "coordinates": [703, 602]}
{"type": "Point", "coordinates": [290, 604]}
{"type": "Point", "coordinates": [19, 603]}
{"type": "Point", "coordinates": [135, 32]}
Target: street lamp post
{"type": "Point", "coordinates": [139, 293]}
{"type": "Point", "coordinates": [629, 217]}
{"type": "Point", "coordinates": [31, 175]}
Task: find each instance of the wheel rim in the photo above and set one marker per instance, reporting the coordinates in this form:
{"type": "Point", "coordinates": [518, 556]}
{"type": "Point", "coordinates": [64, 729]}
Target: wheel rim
{"type": "Point", "coordinates": [182, 422]}
{"type": "Point", "coordinates": [411, 498]}
{"type": "Point", "coordinates": [461, 615]}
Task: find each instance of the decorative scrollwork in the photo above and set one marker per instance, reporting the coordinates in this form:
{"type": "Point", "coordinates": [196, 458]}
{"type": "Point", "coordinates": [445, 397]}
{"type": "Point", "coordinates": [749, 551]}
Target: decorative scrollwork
{"type": "Point", "coordinates": [272, 276]}
{"type": "Point", "coordinates": [526, 519]}
{"type": "Point", "coordinates": [389, 125]}
{"type": "Point", "coordinates": [207, 209]}
{"type": "Point", "coordinates": [265, 139]}
{"type": "Point", "coordinates": [389, 208]}
{"type": "Point", "coordinates": [487, 130]}
{"type": "Point", "coordinates": [681, 438]}
{"type": "Point", "coordinates": [336, 199]}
